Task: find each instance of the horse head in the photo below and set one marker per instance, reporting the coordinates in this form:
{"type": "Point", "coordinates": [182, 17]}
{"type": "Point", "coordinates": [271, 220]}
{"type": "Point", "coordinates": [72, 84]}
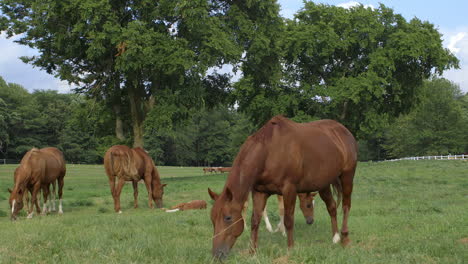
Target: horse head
{"type": "Point", "coordinates": [226, 216]}
{"type": "Point", "coordinates": [307, 204]}
{"type": "Point", "coordinates": [16, 195]}
{"type": "Point", "coordinates": [158, 191]}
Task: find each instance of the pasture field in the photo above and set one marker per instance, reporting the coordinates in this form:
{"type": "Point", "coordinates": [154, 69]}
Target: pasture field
{"type": "Point", "coordinates": [402, 212]}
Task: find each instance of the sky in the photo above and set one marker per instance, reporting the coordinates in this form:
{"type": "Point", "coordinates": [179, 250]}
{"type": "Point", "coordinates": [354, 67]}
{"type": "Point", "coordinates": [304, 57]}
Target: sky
{"type": "Point", "coordinates": [449, 16]}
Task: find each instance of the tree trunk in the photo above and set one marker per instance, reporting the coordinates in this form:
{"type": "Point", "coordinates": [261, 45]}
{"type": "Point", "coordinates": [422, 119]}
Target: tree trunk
{"type": "Point", "coordinates": [137, 115]}
{"type": "Point", "coordinates": [118, 123]}
{"type": "Point", "coordinates": [344, 112]}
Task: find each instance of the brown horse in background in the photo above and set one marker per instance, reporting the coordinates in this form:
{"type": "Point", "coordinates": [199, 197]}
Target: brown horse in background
{"type": "Point", "coordinates": [307, 205]}
{"type": "Point", "coordinates": [38, 169]}
{"type": "Point", "coordinates": [125, 164]}
{"type": "Point", "coordinates": [286, 158]}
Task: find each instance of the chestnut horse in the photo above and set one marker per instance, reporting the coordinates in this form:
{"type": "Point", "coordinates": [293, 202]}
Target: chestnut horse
{"type": "Point", "coordinates": [284, 157]}
{"type": "Point", "coordinates": [125, 164]}
{"type": "Point", "coordinates": [38, 169]}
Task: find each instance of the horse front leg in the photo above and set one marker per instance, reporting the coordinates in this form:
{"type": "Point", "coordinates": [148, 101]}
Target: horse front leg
{"type": "Point", "coordinates": [149, 189]}
{"type": "Point", "coordinates": [34, 201]}
{"type": "Point", "coordinates": [259, 201]}
{"type": "Point", "coordinates": [289, 200]}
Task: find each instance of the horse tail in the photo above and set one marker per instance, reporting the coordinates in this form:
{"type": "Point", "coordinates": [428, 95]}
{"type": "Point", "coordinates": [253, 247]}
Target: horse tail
{"type": "Point", "coordinates": [338, 191]}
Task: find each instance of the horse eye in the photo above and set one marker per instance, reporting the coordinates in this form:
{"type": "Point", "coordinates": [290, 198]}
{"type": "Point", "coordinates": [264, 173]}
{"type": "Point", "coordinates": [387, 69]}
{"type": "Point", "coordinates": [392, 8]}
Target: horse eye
{"type": "Point", "coordinates": [227, 218]}
{"type": "Point", "coordinates": [309, 205]}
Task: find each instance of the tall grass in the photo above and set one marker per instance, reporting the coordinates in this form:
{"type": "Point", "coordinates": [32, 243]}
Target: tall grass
{"type": "Point", "coordinates": [402, 212]}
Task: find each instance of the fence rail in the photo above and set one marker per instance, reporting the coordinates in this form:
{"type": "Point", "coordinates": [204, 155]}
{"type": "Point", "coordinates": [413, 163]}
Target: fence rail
{"type": "Point", "coordinates": [438, 157]}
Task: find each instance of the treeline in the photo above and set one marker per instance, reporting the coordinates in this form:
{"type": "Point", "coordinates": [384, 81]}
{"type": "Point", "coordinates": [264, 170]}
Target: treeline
{"type": "Point", "coordinates": [149, 75]}
{"type": "Point", "coordinates": [83, 128]}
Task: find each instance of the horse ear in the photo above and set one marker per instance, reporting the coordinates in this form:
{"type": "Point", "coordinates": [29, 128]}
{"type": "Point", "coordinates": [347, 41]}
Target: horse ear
{"type": "Point", "coordinates": [228, 194]}
{"type": "Point", "coordinates": [213, 195]}
{"type": "Point", "coordinates": [9, 190]}
{"type": "Point", "coordinates": [164, 185]}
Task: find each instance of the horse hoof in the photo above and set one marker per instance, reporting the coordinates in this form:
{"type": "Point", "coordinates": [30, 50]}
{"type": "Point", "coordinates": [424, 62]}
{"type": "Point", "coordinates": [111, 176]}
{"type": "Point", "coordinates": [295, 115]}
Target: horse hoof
{"type": "Point", "coordinates": [30, 216]}
{"type": "Point", "coordinates": [345, 241]}
{"type": "Point", "coordinates": [336, 238]}
{"type": "Point", "coordinates": [60, 212]}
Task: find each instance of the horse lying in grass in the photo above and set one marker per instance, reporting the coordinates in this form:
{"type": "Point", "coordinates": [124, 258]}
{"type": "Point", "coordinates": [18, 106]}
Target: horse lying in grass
{"type": "Point", "coordinates": [287, 158]}
{"type": "Point", "coordinates": [125, 164]}
{"type": "Point", "coordinates": [39, 168]}
{"type": "Point", "coordinates": [192, 205]}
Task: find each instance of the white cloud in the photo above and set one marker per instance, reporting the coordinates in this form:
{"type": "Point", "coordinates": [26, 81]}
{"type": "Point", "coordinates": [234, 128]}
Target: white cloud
{"type": "Point", "coordinates": [454, 41]}
{"type": "Point", "coordinates": [457, 42]}
{"type": "Point", "coordinates": [350, 4]}
{"type": "Point", "coordinates": [13, 70]}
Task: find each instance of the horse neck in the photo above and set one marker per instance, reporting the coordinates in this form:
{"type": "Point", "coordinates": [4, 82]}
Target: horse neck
{"type": "Point", "coordinates": [155, 179]}
{"type": "Point", "coordinates": [245, 171]}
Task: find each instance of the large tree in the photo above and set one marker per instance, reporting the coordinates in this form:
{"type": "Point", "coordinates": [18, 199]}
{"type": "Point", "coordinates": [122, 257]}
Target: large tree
{"type": "Point", "coordinates": [361, 66]}
{"type": "Point", "coordinates": [135, 52]}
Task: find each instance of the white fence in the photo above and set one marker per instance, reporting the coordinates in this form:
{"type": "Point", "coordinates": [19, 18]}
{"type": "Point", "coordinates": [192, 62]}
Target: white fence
{"type": "Point", "coordinates": [448, 157]}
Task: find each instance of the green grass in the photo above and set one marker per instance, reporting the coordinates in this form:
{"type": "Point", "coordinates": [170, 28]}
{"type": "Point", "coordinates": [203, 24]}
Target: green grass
{"type": "Point", "coordinates": [403, 212]}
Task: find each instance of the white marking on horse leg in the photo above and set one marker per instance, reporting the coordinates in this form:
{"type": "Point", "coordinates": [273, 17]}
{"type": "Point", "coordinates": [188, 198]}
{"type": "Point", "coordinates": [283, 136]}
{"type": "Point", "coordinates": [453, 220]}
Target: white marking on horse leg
{"type": "Point", "coordinates": [60, 207]}
{"type": "Point", "coordinates": [30, 215]}
{"type": "Point", "coordinates": [280, 226]}
{"type": "Point", "coordinates": [53, 202]}
{"type": "Point", "coordinates": [336, 238]}
{"type": "Point", "coordinates": [120, 211]}
{"type": "Point", "coordinates": [13, 205]}
{"type": "Point", "coordinates": [267, 221]}
{"type": "Point", "coordinates": [173, 210]}
{"type": "Point", "coordinates": [44, 209]}
{"type": "Point", "coordinates": [313, 203]}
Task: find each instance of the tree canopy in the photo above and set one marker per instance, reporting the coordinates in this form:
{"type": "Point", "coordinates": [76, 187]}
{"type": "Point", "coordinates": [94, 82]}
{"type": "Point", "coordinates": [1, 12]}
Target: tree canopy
{"type": "Point", "coordinates": [149, 73]}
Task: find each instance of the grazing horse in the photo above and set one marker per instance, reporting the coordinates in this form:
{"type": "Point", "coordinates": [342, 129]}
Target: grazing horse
{"type": "Point", "coordinates": [125, 164]}
{"type": "Point", "coordinates": [287, 158]}
{"type": "Point", "coordinates": [38, 169]}
{"type": "Point", "coordinates": [307, 205]}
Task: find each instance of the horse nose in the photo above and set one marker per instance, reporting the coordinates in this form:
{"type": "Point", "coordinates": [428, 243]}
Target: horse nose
{"type": "Point", "coordinates": [310, 220]}
{"type": "Point", "coordinates": [220, 254]}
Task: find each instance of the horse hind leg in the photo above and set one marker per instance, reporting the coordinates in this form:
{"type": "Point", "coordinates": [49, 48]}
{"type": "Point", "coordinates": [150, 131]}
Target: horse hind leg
{"type": "Point", "coordinates": [60, 194]}
{"type": "Point", "coordinates": [45, 194]}
{"type": "Point", "coordinates": [347, 185]}
{"type": "Point", "coordinates": [280, 226]}
{"type": "Point", "coordinates": [135, 194]}
{"type": "Point", "coordinates": [53, 197]}
{"type": "Point", "coordinates": [327, 197]}
{"type": "Point", "coordinates": [267, 221]}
